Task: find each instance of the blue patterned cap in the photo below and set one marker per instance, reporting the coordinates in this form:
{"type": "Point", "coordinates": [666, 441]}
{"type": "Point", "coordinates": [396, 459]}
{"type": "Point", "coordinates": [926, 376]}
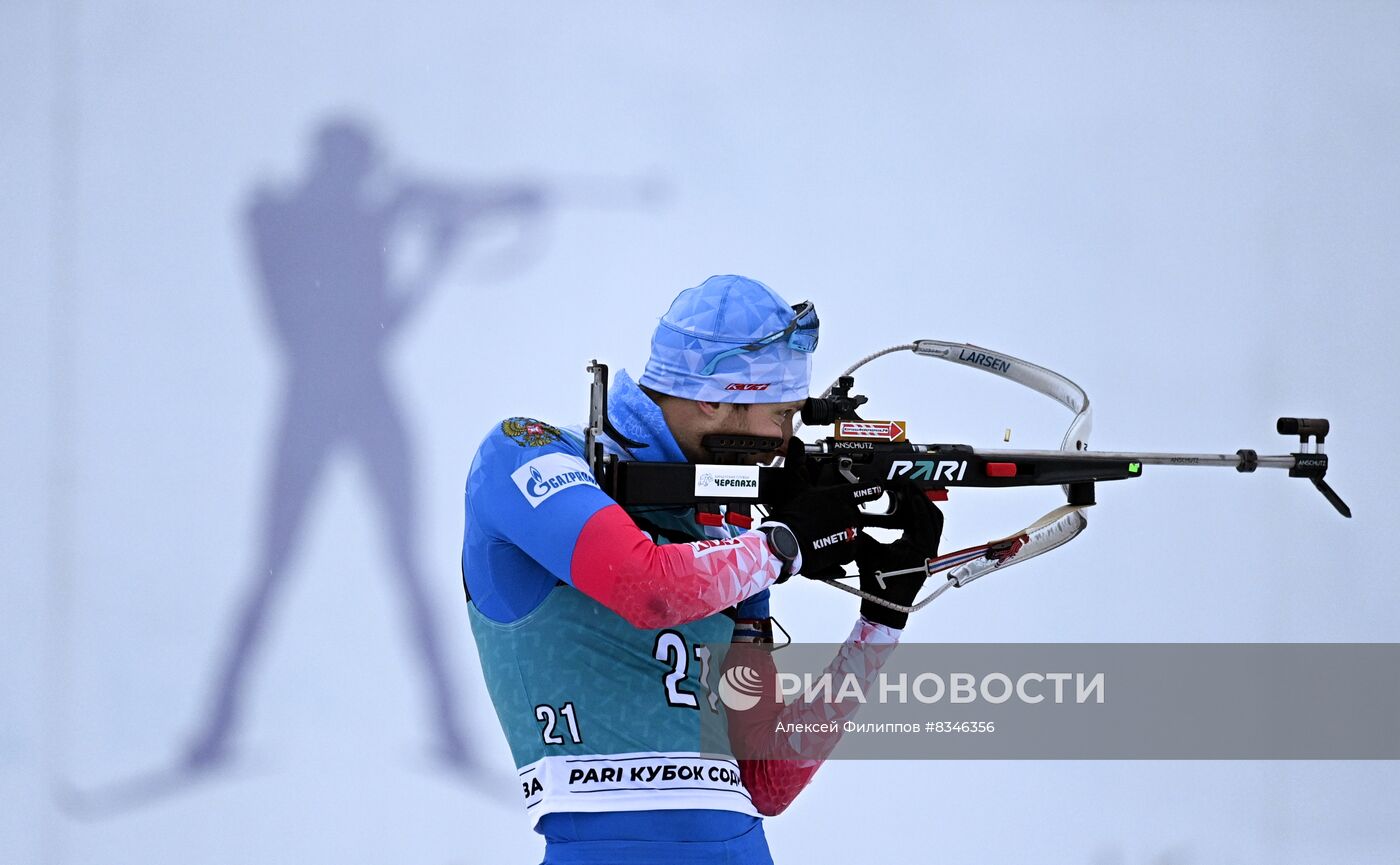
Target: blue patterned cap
{"type": "Point", "coordinates": [733, 339]}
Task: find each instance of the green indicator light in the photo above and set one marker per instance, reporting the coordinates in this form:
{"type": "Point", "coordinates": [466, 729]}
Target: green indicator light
{"type": "Point", "coordinates": [1134, 468]}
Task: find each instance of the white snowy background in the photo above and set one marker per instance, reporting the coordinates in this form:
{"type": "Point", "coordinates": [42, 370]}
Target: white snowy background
{"type": "Point", "coordinates": [1192, 209]}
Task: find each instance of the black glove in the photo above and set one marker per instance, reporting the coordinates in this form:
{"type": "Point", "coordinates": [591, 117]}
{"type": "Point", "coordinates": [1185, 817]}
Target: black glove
{"type": "Point", "coordinates": [922, 523]}
{"type": "Point", "coordinates": [825, 523]}
{"type": "Point", "coordinates": [825, 520]}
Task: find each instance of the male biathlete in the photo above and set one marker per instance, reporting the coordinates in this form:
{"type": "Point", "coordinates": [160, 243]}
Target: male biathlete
{"type": "Point", "coordinates": [602, 630]}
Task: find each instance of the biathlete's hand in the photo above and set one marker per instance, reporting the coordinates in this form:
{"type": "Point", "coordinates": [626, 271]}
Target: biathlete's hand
{"type": "Point", "coordinates": [825, 520]}
{"type": "Point", "coordinates": [922, 523]}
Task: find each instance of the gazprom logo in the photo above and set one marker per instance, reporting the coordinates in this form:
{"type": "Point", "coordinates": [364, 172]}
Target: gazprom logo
{"type": "Point", "coordinates": [547, 475]}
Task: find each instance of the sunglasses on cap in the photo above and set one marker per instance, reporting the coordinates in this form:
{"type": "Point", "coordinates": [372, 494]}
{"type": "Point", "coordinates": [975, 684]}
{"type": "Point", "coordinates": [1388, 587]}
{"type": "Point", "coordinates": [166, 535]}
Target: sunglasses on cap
{"type": "Point", "coordinates": [800, 333]}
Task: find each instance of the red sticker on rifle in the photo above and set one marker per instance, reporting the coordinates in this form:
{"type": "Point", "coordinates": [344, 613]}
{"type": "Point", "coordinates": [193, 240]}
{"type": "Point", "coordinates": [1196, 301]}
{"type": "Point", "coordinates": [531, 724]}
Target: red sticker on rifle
{"type": "Point", "coordinates": [871, 430]}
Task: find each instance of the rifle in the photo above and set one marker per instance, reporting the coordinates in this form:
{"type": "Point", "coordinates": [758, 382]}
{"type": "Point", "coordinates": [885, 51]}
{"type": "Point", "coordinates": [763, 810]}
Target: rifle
{"type": "Point", "coordinates": [878, 452]}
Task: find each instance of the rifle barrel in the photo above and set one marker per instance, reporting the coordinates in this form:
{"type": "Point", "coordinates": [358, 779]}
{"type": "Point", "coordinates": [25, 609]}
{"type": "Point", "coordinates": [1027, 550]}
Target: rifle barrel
{"type": "Point", "coordinates": [1281, 461]}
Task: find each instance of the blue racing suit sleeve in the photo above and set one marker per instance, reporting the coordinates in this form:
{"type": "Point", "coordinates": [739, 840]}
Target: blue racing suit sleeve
{"type": "Point", "coordinates": [529, 494]}
{"type": "Point", "coordinates": [535, 515]}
